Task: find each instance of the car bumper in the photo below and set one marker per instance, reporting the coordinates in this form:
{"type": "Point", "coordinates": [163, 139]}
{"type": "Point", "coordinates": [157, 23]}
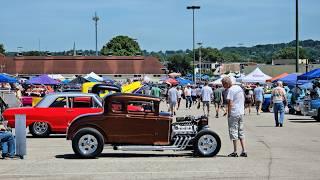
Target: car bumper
{"type": "Point", "coordinates": [312, 112]}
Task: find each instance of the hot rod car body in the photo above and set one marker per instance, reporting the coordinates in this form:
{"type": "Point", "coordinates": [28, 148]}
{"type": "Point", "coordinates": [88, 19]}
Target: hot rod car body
{"type": "Point", "coordinates": [142, 128]}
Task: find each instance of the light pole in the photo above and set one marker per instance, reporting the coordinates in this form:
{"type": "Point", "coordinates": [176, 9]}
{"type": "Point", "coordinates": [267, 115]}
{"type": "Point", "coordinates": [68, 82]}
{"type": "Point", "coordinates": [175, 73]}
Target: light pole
{"type": "Point", "coordinates": [199, 44]}
{"type": "Point", "coordinates": [96, 19]}
{"type": "Point", "coordinates": [297, 35]}
{"type": "Point", "coordinates": [194, 53]}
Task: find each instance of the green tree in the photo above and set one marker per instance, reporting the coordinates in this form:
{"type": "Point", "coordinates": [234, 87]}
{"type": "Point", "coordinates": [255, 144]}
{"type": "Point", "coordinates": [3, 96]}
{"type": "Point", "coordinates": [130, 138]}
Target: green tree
{"type": "Point", "coordinates": [2, 49]}
{"type": "Point", "coordinates": [179, 63]}
{"type": "Point", "coordinates": [209, 55]}
{"type": "Point", "coordinates": [290, 53]}
{"type": "Point", "coordinates": [121, 46]}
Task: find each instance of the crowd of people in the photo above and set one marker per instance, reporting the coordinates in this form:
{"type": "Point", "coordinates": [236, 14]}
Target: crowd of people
{"type": "Point", "coordinates": [234, 101]}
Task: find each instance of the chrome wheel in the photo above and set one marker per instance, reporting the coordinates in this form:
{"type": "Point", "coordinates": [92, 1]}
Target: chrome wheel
{"type": "Point", "coordinates": [40, 128]}
{"type": "Point", "coordinates": [88, 144]}
{"type": "Point", "coordinates": [207, 144]}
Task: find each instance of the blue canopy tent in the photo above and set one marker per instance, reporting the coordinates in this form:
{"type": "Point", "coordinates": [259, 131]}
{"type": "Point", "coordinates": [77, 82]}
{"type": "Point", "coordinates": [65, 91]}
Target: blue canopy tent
{"type": "Point", "coordinates": [7, 79]}
{"type": "Point", "coordinates": [91, 79]}
{"type": "Point", "coordinates": [183, 82]}
{"type": "Point", "coordinates": [291, 80]}
{"type": "Point", "coordinates": [310, 75]}
{"type": "Point", "coordinates": [205, 77]}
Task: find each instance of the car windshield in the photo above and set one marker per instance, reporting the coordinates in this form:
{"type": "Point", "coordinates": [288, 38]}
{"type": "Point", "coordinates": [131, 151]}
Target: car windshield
{"type": "Point", "coordinates": [45, 101]}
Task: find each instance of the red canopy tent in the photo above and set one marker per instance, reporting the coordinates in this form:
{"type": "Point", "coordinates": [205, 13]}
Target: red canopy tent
{"type": "Point", "coordinates": [172, 81]}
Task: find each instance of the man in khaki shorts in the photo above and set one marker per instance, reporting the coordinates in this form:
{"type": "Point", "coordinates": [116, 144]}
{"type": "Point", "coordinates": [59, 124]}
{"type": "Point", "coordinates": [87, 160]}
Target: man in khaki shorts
{"type": "Point", "coordinates": [235, 99]}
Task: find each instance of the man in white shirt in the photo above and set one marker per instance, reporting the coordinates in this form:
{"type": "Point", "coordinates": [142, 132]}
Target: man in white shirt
{"type": "Point", "coordinates": [206, 93]}
{"type": "Point", "coordinates": [235, 99]}
{"type": "Point", "coordinates": [187, 94]}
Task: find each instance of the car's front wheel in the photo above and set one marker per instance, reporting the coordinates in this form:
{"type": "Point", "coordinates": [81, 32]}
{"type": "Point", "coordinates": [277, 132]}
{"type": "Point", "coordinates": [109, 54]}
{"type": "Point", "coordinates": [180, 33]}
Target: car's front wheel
{"type": "Point", "coordinates": [207, 144]}
{"type": "Point", "coordinates": [39, 129]}
{"type": "Point", "coordinates": [88, 143]}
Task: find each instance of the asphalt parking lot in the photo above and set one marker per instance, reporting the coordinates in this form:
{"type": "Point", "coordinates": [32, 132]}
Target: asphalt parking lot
{"type": "Point", "coordinates": [290, 152]}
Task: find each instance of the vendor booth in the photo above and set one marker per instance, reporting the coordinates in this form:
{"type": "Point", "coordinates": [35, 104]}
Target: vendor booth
{"type": "Point", "coordinates": [256, 76]}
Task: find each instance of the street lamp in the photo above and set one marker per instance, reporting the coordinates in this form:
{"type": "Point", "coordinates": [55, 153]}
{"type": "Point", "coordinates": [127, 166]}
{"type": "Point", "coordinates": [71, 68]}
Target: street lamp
{"type": "Point", "coordinates": [199, 44]}
{"type": "Point", "coordinates": [96, 19]}
{"type": "Point", "coordinates": [194, 53]}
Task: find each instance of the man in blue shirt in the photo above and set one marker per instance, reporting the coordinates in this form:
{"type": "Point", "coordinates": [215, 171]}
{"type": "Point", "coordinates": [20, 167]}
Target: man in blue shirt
{"type": "Point", "coordinates": [258, 94]}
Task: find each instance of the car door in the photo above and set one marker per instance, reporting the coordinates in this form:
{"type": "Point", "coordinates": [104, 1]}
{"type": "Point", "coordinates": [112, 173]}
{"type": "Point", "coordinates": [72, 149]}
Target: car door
{"type": "Point", "coordinates": [140, 117]}
{"type": "Point", "coordinates": [56, 114]}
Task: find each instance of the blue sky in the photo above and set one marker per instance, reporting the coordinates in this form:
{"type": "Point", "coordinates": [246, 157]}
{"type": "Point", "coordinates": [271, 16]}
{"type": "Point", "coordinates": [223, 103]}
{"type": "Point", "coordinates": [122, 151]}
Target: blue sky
{"type": "Point", "coordinates": [156, 24]}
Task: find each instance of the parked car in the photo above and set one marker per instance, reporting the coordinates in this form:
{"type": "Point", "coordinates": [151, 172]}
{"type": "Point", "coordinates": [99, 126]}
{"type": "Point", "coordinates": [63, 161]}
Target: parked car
{"type": "Point", "coordinates": [53, 113]}
{"type": "Point", "coordinates": [132, 122]}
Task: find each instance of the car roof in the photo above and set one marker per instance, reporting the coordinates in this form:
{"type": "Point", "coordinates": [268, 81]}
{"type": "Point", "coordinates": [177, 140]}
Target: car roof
{"type": "Point", "coordinates": [70, 94]}
{"type": "Point", "coordinates": [132, 96]}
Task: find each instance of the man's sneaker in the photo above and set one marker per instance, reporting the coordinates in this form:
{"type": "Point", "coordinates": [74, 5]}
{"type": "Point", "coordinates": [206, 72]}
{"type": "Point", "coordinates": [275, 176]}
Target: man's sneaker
{"type": "Point", "coordinates": [244, 154]}
{"type": "Point", "coordinates": [234, 154]}
{"type": "Point", "coordinates": [15, 157]}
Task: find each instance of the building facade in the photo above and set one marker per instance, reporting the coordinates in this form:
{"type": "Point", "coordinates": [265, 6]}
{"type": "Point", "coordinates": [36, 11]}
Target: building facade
{"type": "Point", "coordinates": [116, 67]}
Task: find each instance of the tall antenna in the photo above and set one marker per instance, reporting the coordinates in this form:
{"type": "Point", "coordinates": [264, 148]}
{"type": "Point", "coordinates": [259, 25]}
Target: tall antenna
{"type": "Point", "coordinates": [96, 19]}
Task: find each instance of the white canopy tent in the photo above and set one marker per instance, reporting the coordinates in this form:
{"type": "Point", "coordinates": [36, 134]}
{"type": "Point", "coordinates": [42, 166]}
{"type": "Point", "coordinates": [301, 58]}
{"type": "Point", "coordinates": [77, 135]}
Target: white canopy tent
{"type": "Point", "coordinates": [256, 76]}
{"type": "Point", "coordinates": [218, 81]}
{"type": "Point", "coordinates": [94, 76]}
{"type": "Point", "coordinates": [57, 77]}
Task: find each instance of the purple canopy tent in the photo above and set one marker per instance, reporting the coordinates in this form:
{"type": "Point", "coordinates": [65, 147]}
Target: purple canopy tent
{"type": "Point", "coordinates": [43, 79]}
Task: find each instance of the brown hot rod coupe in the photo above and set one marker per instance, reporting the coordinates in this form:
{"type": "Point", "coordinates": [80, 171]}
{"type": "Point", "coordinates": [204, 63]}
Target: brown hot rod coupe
{"type": "Point", "coordinates": [132, 122]}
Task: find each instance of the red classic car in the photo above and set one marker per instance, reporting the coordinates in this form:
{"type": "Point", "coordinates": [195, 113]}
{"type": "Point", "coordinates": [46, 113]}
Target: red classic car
{"type": "Point", "coordinates": [53, 113]}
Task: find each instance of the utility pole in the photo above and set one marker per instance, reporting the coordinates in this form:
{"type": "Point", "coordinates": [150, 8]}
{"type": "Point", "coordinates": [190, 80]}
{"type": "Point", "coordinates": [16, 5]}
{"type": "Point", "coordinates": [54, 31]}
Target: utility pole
{"type": "Point", "coordinates": [194, 53]}
{"type": "Point", "coordinates": [199, 44]}
{"type": "Point", "coordinates": [96, 19]}
{"type": "Point", "coordinates": [297, 36]}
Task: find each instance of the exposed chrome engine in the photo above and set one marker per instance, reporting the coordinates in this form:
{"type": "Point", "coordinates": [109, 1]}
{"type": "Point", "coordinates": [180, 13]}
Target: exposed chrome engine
{"type": "Point", "coordinates": [188, 125]}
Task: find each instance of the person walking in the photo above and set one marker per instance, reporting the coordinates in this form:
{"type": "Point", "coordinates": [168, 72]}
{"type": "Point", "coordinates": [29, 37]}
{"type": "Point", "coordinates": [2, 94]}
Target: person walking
{"type": "Point", "coordinates": [235, 100]}
{"type": "Point", "coordinates": [217, 99]}
{"type": "Point", "coordinates": [224, 106]}
{"type": "Point", "coordinates": [194, 94]}
{"type": "Point", "coordinates": [172, 99]}
{"type": "Point", "coordinates": [155, 91]}
{"type": "Point", "coordinates": [180, 92]}
{"type": "Point", "coordinates": [248, 99]}
{"type": "Point", "coordinates": [258, 94]}
{"type": "Point", "coordinates": [187, 93]}
{"type": "Point", "coordinates": [279, 101]}
{"type": "Point", "coordinates": [206, 93]}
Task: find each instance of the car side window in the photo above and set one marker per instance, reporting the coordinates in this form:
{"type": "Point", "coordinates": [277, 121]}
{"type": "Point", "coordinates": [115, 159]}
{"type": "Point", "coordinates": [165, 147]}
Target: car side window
{"type": "Point", "coordinates": [140, 106]}
{"type": "Point", "coordinates": [116, 106]}
{"type": "Point", "coordinates": [60, 102]}
{"type": "Point", "coordinates": [81, 102]}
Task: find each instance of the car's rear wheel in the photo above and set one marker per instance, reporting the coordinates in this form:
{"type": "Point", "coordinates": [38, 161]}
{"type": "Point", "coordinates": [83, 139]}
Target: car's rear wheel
{"type": "Point", "coordinates": [207, 144]}
{"type": "Point", "coordinates": [88, 143]}
{"type": "Point", "coordinates": [39, 129]}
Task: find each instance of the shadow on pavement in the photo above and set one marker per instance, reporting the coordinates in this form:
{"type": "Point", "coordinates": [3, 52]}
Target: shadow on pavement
{"type": "Point", "coordinates": [304, 121]}
{"type": "Point", "coordinates": [309, 119]}
{"type": "Point", "coordinates": [51, 136]}
{"type": "Point", "coordinates": [124, 155]}
{"type": "Point", "coordinates": [265, 126]}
